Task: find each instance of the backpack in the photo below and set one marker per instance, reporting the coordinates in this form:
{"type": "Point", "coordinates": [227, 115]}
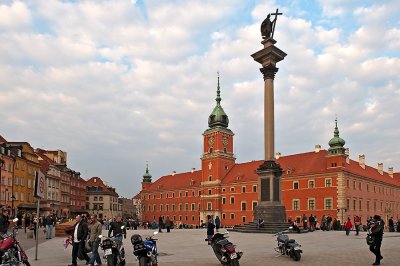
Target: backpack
{"type": "Point", "coordinates": [370, 240]}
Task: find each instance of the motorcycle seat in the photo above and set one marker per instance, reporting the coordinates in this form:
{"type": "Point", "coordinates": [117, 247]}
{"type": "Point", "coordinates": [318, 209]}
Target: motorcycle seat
{"type": "Point", "coordinates": [289, 241]}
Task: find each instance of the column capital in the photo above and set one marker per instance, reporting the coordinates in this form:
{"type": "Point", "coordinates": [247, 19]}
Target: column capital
{"type": "Point", "coordinates": [269, 71]}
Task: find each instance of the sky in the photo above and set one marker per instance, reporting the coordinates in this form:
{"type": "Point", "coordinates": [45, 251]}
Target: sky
{"type": "Point", "coordinates": [117, 84]}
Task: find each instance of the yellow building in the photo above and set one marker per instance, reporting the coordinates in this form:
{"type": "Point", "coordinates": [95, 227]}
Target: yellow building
{"type": "Point", "coordinates": [25, 166]}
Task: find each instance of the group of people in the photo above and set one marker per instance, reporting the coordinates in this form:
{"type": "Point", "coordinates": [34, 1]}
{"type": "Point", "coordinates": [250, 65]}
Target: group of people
{"type": "Point", "coordinates": [90, 228]}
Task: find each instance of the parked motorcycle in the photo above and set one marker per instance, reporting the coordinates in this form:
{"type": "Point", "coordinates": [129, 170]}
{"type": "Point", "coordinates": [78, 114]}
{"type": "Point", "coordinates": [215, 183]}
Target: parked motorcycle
{"type": "Point", "coordinates": [113, 249]}
{"type": "Point", "coordinates": [226, 252]}
{"type": "Point", "coordinates": [11, 252]}
{"type": "Point", "coordinates": [145, 251]}
{"type": "Point", "coordinates": [288, 247]}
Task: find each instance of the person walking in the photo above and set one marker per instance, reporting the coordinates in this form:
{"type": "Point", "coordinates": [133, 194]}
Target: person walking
{"type": "Point", "coordinates": [160, 223]}
{"type": "Point", "coordinates": [95, 231]}
{"type": "Point", "coordinates": [391, 225]}
{"type": "Point", "coordinates": [357, 223]}
{"type": "Point", "coordinates": [27, 222]}
{"type": "Point", "coordinates": [217, 223]}
{"type": "Point", "coordinates": [4, 222]}
{"type": "Point", "coordinates": [168, 224]}
{"type": "Point", "coordinates": [117, 228]}
{"type": "Point", "coordinates": [377, 225]}
{"type": "Point", "coordinates": [78, 244]}
{"type": "Point", "coordinates": [34, 225]}
{"type": "Point", "coordinates": [210, 230]}
{"type": "Point", "coordinates": [348, 226]}
{"type": "Point", "coordinates": [304, 218]}
{"type": "Point", "coordinates": [49, 226]}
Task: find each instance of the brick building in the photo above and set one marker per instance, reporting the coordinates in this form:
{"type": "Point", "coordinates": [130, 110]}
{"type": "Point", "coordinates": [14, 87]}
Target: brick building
{"type": "Point", "coordinates": [318, 182]}
{"type": "Point", "coordinates": [78, 194]}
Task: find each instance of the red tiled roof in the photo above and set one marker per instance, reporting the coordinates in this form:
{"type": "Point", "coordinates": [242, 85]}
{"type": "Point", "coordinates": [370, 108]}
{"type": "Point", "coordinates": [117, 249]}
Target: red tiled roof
{"type": "Point", "coordinates": [2, 140]}
{"type": "Point", "coordinates": [181, 180]}
{"type": "Point", "coordinates": [298, 164]}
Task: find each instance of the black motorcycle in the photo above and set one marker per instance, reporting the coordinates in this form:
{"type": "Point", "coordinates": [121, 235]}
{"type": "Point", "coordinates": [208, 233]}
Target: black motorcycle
{"type": "Point", "coordinates": [113, 249]}
{"type": "Point", "coordinates": [288, 247]}
{"type": "Point", "coordinates": [145, 250]}
{"type": "Point", "coordinates": [225, 251]}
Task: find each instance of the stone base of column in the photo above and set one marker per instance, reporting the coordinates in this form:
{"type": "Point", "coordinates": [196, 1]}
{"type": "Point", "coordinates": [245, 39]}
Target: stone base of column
{"type": "Point", "coordinates": [275, 213]}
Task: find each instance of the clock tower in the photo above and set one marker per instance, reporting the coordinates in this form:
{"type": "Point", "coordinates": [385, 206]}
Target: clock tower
{"type": "Point", "coordinates": [217, 159]}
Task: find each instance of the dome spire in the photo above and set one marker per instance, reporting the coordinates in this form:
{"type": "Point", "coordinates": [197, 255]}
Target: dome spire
{"type": "Point", "coordinates": [218, 116]}
{"type": "Point", "coordinates": [336, 144]}
{"type": "Point", "coordinates": [147, 175]}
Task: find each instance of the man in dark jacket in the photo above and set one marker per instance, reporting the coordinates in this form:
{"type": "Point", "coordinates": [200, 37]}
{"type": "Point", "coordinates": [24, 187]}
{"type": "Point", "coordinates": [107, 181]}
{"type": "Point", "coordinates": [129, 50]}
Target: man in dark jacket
{"type": "Point", "coordinates": [4, 221]}
{"type": "Point", "coordinates": [377, 225]}
{"type": "Point", "coordinates": [117, 228]}
{"type": "Point", "coordinates": [79, 237]}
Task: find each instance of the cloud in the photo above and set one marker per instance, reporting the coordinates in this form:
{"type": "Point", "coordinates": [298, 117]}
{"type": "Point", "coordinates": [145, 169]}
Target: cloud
{"type": "Point", "coordinates": [116, 84]}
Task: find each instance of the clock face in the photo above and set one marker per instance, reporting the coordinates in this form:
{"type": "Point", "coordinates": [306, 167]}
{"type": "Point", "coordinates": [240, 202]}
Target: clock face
{"type": "Point", "coordinates": [211, 141]}
{"type": "Point", "coordinates": [225, 141]}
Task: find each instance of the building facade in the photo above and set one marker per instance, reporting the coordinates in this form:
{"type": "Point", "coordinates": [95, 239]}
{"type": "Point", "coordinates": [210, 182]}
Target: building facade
{"type": "Point", "coordinates": [6, 175]}
{"type": "Point", "coordinates": [127, 208]}
{"type": "Point", "coordinates": [320, 182]}
{"type": "Point", "coordinates": [101, 199]}
{"type": "Point", "coordinates": [78, 194]}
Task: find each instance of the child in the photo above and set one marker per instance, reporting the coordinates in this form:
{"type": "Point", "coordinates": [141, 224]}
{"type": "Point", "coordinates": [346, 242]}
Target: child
{"type": "Point", "coordinates": [348, 226]}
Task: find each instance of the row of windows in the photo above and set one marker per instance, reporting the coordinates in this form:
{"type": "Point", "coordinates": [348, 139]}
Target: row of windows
{"type": "Point", "coordinates": [381, 189]}
{"type": "Point", "coordinates": [311, 183]}
{"type": "Point", "coordinates": [243, 206]}
{"type": "Point", "coordinates": [357, 204]}
{"type": "Point", "coordinates": [186, 193]}
{"type": "Point", "coordinates": [311, 204]}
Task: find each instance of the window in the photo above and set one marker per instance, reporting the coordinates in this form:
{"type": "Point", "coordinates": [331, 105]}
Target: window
{"type": "Point", "coordinates": [199, 206]}
{"type": "Point", "coordinates": [166, 207]}
{"type": "Point", "coordinates": [243, 219]}
{"type": "Point", "coordinates": [367, 205]}
{"type": "Point", "coordinates": [311, 204]}
{"type": "Point", "coordinates": [186, 206]}
{"type": "Point", "coordinates": [209, 192]}
{"type": "Point", "coordinates": [311, 184]}
{"type": "Point", "coordinates": [232, 189]}
{"type": "Point", "coordinates": [160, 195]}
{"type": "Point", "coordinates": [243, 189]}
{"type": "Point", "coordinates": [348, 183]}
{"type": "Point", "coordinates": [180, 206]}
{"type": "Point", "coordinates": [354, 204]}
{"type": "Point", "coordinates": [254, 188]}
{"type": "Point", "coordinates": [180, 217]}
{"type": "Point", "coordinates": [95, 198]}
{"type": "Point", "coordinates": [173, 207]}
{"type": "Point", "coordinates": [328, 204]}
{"type": "Point", "coordinates": [192, 207]}
{"type": "Point", "coordinates": [223, 200]}
{"type": "Point", "coordinates": [360, 204]}
{"type": "Point", "coordinates": [296, 204]}
{"type": "Point", "coordinates": [210, 178]}
{"type": "Point", "coordinates": [186, 193]}
{"type": "Point", "coordinates": [244, 206]}
{"type": "Point", "coordinates": [223, 189]}
{"type": "Point", "coordinates": [232, 216]}
{"type": "Point", "coordinates": [328, 182]}
{"type": "Point", "coordinates": [254, 204]}
{"type": "Point", "coordinates": [295, 184]}
{"type": "Point", "coordinates": [209, 206]}
{"type": "Point", "coordinates": [360, 186]}
{"type": "Point", "coordinates": [232, 200]}
{"type": "Point", "coordinates": [100, 198]}
{"type": "Point", "coordinates": [224, 216]}
{"type": "Point", "coordinates": [354, 184]}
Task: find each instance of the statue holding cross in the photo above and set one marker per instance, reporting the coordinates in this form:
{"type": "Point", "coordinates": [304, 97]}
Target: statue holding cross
{"type": "Point", "coordinates": [268, 26]}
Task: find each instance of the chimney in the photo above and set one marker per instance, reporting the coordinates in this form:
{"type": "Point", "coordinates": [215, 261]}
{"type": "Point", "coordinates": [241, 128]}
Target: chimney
{"type": "Point", "coordinates": [317, 148]}
{"type": "Point", "coordinates": [380, 168]}
{"type": "Point", "coordinates": [361, 161]}
{"type": "Point", "coordinates": [390, 172]}
{"type": "Point", "coordinates": [347, 152]}
{"type": "Point", "coordinates": [173, 173]}
{"type": "Point", "coordinates": [277, 155]}
{"type": "Point", "coordinates": [193, 169]}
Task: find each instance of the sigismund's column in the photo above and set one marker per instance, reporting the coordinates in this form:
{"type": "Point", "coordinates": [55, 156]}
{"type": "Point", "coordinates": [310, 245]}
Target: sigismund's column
{"type": "Point", "coordinates": [270, 207]}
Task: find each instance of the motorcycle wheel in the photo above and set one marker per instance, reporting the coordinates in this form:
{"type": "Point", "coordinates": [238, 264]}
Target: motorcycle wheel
{"type": "Point", "coordinates": [111, 260]}
{"type": "Point", "coordinates": [234, 262]}
{"type": "Point", "coordinates": [297, 255]}
{"type": "Point", "coordinates": [143, 261]}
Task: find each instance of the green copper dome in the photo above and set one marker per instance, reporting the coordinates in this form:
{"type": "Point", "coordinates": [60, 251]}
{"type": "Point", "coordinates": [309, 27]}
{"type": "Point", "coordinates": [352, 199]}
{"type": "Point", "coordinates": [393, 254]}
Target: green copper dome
{"type": "Point", "coordinates": [336, 143]}
{"type": "Point", "coordinates": [147, 175]}
{"type": "Point", "coordinates": [218, 116]}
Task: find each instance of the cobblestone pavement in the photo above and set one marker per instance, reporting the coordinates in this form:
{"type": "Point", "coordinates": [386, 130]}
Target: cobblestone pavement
{"type": "Point", "coordinates": [187, 247]}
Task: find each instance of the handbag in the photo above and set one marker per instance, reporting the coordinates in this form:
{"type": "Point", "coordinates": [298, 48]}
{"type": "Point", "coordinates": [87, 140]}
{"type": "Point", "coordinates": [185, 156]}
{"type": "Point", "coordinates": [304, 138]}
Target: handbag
{"type": "Point", "coordinates": [370, 240]}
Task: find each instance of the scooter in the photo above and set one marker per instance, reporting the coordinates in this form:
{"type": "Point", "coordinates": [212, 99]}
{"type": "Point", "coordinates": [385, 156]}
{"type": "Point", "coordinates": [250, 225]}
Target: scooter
{"type": "Point", "coordinates": [114, 251]}
{"type": "Point", "coordinates": [226, 252]}
{"type": "Point", "coordinates": [288, 247]}
{"type": "Point", "coordinates": [145, 251]}
{"type": "Point", "coordinates": [11, 253]}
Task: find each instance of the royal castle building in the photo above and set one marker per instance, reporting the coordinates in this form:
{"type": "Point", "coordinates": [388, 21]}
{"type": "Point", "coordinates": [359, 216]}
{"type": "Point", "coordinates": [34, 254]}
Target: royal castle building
{"type": "Point", "coordinates": [319, 182]}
